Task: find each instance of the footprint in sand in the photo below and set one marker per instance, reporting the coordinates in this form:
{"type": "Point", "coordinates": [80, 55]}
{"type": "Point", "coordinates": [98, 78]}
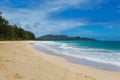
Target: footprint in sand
{"type": "Point", "coordinates": [84, 77]}
{"type": "Point", "coordinates": [7, 60]}
{"type": "Point", "coordinates": [89, 78]}
{"type": "Point", "coordinates": [65, 76]}
{"type": "Point", "coordinates": [17, 76]}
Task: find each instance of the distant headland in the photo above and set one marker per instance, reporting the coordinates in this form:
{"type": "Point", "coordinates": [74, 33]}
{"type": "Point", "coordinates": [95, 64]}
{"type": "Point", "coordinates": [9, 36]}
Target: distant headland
{"type": "Point", "coordinates": [63, 37]}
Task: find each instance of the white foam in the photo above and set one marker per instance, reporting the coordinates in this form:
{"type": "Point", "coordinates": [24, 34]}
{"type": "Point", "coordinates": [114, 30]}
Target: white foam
{"type": "Point", "coordinates": [97, 55]}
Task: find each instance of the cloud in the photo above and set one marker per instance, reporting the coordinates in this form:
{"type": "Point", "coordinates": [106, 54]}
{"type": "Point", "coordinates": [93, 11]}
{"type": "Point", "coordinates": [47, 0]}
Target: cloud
{"type": "Point", "coordinates": [113, 25]}
{"type": "Point", "coordinates": [34, 14]}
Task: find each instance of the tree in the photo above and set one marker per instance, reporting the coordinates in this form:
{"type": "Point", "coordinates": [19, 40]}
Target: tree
{"type": "Point", "coordinates": [10, 32]}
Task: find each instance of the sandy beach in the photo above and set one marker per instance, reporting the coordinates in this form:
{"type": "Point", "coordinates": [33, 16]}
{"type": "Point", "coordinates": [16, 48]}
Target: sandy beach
{"type": "Point", "coordinates": [20, 61]}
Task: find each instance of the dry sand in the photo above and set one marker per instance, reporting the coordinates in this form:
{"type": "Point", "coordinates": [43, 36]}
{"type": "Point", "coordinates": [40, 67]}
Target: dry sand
{"type": "Point", "coordinates": [20, 61]}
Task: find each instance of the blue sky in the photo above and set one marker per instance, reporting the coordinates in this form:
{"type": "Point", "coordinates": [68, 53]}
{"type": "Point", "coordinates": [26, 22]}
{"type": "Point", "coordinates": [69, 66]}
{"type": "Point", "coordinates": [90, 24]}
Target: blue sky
{"type": "Point", "coordinates": [98, 19]}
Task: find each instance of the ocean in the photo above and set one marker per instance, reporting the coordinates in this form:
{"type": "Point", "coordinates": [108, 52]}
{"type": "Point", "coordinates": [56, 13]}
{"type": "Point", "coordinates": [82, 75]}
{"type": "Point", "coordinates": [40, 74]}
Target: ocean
{"type": "Point", "coordinates": [103, 52]}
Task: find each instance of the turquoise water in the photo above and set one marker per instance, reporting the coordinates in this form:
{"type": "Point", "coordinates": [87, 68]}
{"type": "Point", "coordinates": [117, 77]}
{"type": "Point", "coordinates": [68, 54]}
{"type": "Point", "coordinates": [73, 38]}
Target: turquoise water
{"type": "Point", "coordinates": [110, 45]}
{"type": "Point", "coordinates": [97, 51]}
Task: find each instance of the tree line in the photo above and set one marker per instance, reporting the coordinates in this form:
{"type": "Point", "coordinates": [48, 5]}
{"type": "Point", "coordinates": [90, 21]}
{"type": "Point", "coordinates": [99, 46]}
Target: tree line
{"type": "Point", "coordinates": [13, 32]}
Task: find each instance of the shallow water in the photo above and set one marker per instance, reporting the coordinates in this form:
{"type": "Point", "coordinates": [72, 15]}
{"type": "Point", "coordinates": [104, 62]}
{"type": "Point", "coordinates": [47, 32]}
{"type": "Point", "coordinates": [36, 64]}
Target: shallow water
{"type": "Point", "coordinates": [86, 52]}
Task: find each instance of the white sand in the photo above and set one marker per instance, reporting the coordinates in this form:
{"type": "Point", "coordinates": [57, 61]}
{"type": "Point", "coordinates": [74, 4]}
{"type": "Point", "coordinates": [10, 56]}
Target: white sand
{"type": "Point", "coordinates": [20, 61]}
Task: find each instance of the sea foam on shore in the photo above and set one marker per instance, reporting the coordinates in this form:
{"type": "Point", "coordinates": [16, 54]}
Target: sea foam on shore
{"type": "Point", "coordinates": [110, 57]}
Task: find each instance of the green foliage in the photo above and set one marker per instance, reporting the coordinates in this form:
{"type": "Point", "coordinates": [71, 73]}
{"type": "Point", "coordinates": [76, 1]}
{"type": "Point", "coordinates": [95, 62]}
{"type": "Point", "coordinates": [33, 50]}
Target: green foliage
{"type": "Point", "coordinates": [9, 32]}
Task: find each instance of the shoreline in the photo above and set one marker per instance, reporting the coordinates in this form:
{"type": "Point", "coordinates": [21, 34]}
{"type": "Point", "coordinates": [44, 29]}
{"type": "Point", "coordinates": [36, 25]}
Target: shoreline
{"type": "Point", "coordinates": [21, 61]}
{"type": "Point", "coordinates": [75, 60]}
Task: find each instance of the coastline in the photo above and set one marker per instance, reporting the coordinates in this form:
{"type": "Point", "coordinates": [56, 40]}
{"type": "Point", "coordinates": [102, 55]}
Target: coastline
{"type": "Point", "coordinates": [75, 60]}
{"type": "Point", "coordinates": [19, 60]}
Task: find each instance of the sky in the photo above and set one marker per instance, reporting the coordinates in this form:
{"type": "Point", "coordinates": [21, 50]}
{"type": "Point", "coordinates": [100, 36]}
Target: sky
{"type": "Point", "coordinates": [99, 19]}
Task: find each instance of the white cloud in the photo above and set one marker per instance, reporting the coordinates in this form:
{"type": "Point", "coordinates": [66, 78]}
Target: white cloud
{"type": "Point", "coordinates": [36, 17]}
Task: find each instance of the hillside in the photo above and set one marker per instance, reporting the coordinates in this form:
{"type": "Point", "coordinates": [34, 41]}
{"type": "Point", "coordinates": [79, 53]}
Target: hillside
{"type": "Point", "coordinates": [62, 37]}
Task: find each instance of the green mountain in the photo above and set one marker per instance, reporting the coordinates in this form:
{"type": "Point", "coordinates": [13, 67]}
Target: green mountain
{"type": "Point", "coordinates": [62, 37]}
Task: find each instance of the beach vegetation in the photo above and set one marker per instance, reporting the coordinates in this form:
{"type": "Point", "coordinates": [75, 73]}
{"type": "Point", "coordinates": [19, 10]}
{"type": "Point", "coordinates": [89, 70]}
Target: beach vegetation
{"type": "Point", "coordinates": [13, 32]}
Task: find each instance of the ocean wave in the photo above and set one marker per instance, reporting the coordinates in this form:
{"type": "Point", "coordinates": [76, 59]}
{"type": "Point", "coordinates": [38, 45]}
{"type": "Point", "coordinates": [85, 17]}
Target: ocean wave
{"type": "Point", "coordinates": [92, 54]}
